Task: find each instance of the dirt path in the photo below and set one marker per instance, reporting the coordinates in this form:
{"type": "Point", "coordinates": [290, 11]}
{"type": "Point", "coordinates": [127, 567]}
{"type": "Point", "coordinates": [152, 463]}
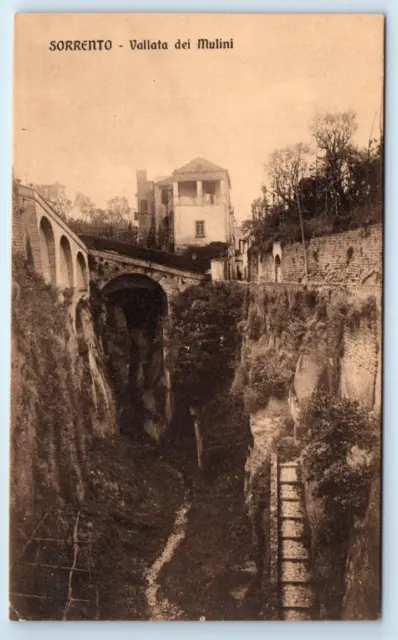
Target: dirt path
{"type": "Point", "coordinates": [161, 608]}
{"type": "Point", "coordinates": [206, 570]}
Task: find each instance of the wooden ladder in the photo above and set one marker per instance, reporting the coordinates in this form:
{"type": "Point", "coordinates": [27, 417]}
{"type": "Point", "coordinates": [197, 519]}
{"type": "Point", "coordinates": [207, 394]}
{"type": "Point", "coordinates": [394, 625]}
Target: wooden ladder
{"type": "Point", "coordinates": [296, 593]}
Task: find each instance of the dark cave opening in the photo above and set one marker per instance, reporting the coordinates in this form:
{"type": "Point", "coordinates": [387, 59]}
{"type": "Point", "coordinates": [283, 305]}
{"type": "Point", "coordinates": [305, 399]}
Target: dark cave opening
{"type": "Point", "coordinates": [133, 341]}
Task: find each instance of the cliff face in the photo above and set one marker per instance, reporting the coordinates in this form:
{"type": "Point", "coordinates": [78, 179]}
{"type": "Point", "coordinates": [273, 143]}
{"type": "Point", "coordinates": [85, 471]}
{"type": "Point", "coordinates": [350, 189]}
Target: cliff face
{"type": "Point", "coordinates": [296, 342]}
{"type": "Point", "coordinates": [363, 575]}
{"type": "Point", "coordinates": [61, 404]}
{"type": "Point", "coordinates": [77, 476]}
{"type": "Point", "coordinates": [81, 494]}
{"type": "Point", "coordinates": [56, 370]}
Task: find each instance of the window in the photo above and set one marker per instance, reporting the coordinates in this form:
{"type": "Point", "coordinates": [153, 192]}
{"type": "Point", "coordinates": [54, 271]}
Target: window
{"type": "Point", "coordinates": [200, 229]}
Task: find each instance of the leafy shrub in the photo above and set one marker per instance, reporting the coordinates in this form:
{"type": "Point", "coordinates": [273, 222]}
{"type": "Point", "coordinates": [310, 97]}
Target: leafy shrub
{"type": "Point", "coordinates": [365, 309]}
{"type": "Point", "coordinates": [204, 340]}
{"type": "Point", "coordinates": [270, 372]}
{"type": "Point", "coordinates": [277, 311]}
{"type": "Point", "coordinates": [339, 461]}
{"type": "Point", "coordinates": [255, 324]}
{"type": "Point", "coordinates": [287, 449]}
{"type": "Point", "coordinates": [339, 444]}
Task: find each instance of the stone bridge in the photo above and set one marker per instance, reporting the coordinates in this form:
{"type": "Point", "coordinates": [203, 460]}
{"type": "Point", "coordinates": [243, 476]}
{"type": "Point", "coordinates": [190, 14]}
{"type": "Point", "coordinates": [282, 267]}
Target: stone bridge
{"type": "Point", "coordinates": [46, 240]}
{"type": "Point", "coordinates": [69, 261]}
{"type": "Point", "coordinates": [113, 264]}
{"type": "Point", "coordinates": [135, 285]}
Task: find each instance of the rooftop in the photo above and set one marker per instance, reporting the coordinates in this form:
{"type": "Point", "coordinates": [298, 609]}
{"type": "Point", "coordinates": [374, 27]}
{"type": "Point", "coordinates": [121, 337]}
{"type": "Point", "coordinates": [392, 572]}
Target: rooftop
{"type": "Point", "coordinates": [196, 169]}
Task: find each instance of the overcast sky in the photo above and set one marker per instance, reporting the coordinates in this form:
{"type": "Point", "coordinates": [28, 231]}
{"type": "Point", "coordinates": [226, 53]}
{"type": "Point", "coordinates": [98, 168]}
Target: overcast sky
{"type": "Point", "coordinates": [93, 118]}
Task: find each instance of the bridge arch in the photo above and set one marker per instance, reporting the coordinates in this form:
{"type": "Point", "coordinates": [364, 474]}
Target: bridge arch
{"type": "Point", "coordinates": [138, 282]}
{"type": "Point", "coordinates": [81, 272]}
{"type": "Point", "coordinates": [47, 250]}
{"type": "Point", "coordinates": [66, 264]}
{"type": "Point", "coordinates": [134, 341]}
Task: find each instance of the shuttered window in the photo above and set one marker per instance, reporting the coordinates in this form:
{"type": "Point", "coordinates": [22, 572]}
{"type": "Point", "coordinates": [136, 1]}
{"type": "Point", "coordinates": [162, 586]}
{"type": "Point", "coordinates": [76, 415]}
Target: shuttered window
{"type": "Point", "coordinates": [200, 229]}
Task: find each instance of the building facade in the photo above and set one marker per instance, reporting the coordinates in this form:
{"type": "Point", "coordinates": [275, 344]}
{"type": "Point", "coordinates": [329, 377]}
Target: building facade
{"type": "Point", "coordinates": [190, 208]}
{"type": "Point", "coordinates": [235, 265]}
{"type": "Point", "coordinates": [241, 254]}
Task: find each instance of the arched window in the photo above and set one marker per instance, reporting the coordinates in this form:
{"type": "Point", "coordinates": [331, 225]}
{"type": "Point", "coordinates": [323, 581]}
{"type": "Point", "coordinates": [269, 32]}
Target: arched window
{"type": "Point", "coordinates": [47, 251]}
{"type": "Point", "coordinates": [144, 206]}
{"type": "Point", "coordinates": [81, 272]}
{"type": "Point", "coordinates": [278, 269]}
{"type": "Point", "coordinates": [66, 265]}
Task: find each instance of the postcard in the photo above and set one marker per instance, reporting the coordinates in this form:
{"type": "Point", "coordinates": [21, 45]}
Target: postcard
{"type": "Point", "coordinates": [197, 277]}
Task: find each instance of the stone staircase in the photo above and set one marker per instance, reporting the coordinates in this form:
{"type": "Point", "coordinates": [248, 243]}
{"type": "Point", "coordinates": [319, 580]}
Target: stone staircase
{"type": "Point", "coordinates": [296, 593]}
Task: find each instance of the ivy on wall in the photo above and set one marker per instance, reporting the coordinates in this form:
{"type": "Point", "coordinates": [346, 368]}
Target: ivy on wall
{"type": "Point", "coordinates": [283, 324]}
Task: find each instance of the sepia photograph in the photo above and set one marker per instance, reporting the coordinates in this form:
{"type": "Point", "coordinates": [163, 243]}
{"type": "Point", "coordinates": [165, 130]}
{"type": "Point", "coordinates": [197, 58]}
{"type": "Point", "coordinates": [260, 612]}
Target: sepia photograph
{"type": "Point", "coordinates": [197, 307]}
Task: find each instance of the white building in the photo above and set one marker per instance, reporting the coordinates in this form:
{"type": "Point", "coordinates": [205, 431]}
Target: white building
{"type": "Point", "coordinates": [192, 207]}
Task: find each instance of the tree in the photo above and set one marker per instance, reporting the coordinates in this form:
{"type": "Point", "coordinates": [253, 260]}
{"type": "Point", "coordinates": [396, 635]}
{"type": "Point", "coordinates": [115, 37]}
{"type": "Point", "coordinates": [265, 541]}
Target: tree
{"type": "Point", "coordinates": [341, 189]}
{"type": "Point", "coordinates": [340, 442]}
{"type": "Point", "coordinates": [118, 209]}
{"type": "Point", "coordinates": [333, 134]}
{"type": "Point", "coordinates": [260, 206]}
{"type": "Point", "coordinates": [286, 169]}
{"type": "Point", "coordinates": [364, 182]}
{"type": "Point", "coordinates": [203, 345]}
{"type": "Point", "coordinates": [204, 339]}
{"type": "Point", "coordinates": [85, 205]}
{"type": "Point", "coordinates": [55, 195]}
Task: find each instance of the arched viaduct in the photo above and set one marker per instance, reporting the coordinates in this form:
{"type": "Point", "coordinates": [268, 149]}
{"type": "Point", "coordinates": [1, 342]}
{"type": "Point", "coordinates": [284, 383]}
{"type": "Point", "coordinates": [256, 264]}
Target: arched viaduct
{"type": "Point", "coordinates": [135, 285]}
{"type": "Point", "coordinates": [70, 262]}
{"type": "Point", "coordinates": [57, 253]}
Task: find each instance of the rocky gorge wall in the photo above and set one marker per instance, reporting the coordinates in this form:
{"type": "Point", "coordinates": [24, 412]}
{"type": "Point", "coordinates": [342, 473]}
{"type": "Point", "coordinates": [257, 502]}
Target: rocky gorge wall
{"type": "Point", "coordinates": [296, 341]}
{"type": "Point", "coordinates": [57, 367]}
{"type": "Point", "coordinates": [80, 482]}
{"type": "Point", "coordinates": [61, 403]}
{"type": "Point", "coordinates": [89, 507]}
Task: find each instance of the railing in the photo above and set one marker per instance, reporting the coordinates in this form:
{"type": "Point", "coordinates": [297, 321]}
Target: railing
{"type": "Point", "coordinates": [204, 200]}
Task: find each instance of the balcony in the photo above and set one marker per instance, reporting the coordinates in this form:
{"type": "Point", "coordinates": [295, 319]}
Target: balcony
{"type": "Point", "coordinates": [204, 200]}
